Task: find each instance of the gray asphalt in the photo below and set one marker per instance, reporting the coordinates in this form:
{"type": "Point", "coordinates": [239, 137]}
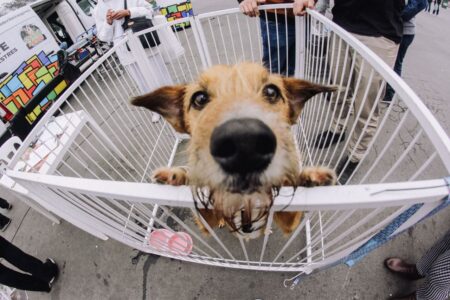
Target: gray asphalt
{"type": "Point", "coordinates": [93, 269]}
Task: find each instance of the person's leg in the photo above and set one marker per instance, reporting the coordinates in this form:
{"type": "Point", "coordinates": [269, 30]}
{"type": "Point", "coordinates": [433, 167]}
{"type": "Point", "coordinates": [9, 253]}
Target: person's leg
{"type": "Point", "coordinates": [443, 245]}
{"type": "Point", "coordinates": [340, 59]}
{"type": "Point", "coordinates": [27, 263]}
{"type": "Point", "coordinates": [280, 44]}
{"type": "Point", "coordinates": [366, 111]}
{"type": "Point", "coordinates": [270, 46]}
{"type": "Point", "coordinates": [22, 281]}
{"type": "Point", "coordinates": [437, 282]}
{"type": "Point", "coordinates": [366, 100]}
{"type": "Point", "coordinates": [290, 61]}
{"type": "Point", "coordinates": [404, 45]}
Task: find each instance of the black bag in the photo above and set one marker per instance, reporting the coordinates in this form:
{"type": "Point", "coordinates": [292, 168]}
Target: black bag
{"type": "Point", "coordinates": [150, 39]}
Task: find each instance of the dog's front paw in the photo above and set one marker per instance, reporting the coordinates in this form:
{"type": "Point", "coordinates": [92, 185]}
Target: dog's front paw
{"type": "Point", "coordinates": [172, 176]}
{"type": "Point", "coordinates": [317, 176]}
{"type": "Point", "coordinates": [221, 223]}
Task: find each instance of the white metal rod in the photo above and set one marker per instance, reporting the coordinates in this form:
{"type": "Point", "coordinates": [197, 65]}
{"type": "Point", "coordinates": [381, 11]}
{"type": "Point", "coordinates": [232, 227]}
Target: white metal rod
{"type": "Point", "coordinates": [267, 231]}
{"type": "Point", "coordinates": [223, 40]}
{"type": "Point", "coordinates": [429, 123]}
{"type": "Point", "coordinates": [379, 129]}
{"type": "Point", "coordinates": [386, 146]}
{"type": "Point", "coordinates": [213, 234]}
{"type": "Point", "coordinates": [402, 156]}
{"type": "Point", "coordinates": [244, 250]}
{"type": "Point", "coordinates": [352, 104]}
{"type": "Point", "coordinates": [423, 167]}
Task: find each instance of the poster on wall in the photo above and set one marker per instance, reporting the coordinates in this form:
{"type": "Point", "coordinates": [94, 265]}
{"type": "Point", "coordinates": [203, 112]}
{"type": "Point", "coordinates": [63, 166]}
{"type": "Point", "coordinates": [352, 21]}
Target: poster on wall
{"type": "Point", "coordinates": [176, 9]}
{"type": "Point", "coordinates": [28, 61]}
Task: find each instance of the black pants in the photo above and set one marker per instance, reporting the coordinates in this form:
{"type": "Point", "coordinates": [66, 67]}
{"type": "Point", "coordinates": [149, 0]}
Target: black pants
{"type": "Point", "coordinates": [3, 219]}
{"type": "Point", "coordinates": [407, 40]}
{"type": "Point", "coordinates": [41, 273]}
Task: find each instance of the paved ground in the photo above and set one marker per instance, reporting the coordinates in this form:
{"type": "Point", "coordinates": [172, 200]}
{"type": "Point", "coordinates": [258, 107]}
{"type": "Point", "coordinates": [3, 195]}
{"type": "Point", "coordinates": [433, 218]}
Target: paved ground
{"type": "Point", "coordinates": [202, 6]}
{"type": "Point", "coordinates": [93, 269]}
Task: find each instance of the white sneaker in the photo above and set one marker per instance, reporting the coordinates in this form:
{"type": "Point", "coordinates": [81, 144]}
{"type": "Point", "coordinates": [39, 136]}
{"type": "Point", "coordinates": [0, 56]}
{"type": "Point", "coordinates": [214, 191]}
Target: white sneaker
{"type": "Point", "coordinates": [155, 118]}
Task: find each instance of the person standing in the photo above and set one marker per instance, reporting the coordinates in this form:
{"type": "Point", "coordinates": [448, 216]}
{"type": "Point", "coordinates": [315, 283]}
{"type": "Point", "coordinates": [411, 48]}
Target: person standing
{"type": "Point", "coordinates": [434, 267]}
{"type": "Point", "coordinates": [277, 34]}
{"type": "Point", "coordinates": [378, 25]}
{"type": "Point", "coordinates": [110, 16]}
{"type": "Point", "coordinates": [437, 5]}
{"type": "Point", "coordinates": [39, 276]}
{"type": "Point", "coordinates": [428, 9]}
{"type": "Point", "coordinates": [412, 8]}
{"type": "Point", "coordinates": [4, 220]}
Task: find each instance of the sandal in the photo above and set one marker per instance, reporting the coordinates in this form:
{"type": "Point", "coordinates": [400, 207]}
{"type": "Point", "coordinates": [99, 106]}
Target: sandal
{"type": "Point", "coordinates": [402, 268]}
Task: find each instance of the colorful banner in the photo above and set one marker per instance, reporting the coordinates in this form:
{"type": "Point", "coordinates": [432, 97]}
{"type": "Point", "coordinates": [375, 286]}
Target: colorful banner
{"type": "Point", "coordinates": [28, 58]}
{"type": "Point", "coordinates": [17, 89]}
{"type": "Point", "coordinates": [178, 11]}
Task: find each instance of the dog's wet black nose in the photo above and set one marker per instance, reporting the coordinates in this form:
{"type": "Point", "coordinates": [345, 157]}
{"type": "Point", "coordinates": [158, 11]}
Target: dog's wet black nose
{"type": "Point", "coordinates": [243, 146]}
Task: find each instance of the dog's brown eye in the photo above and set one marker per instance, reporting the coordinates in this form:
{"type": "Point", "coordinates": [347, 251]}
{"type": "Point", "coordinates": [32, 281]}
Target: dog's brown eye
{"type": "Point", "coordinates": [272, 93]}
{"type": "Point", "coordinates": [199, 100]}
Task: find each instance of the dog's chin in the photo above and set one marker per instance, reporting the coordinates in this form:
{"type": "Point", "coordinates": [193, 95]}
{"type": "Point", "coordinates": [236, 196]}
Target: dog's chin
{"type": "Point", "coordinates": [243, 183]}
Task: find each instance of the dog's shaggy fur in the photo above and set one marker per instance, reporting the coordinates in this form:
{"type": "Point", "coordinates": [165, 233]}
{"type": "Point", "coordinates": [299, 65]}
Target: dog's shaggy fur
{"type": "Point", "coordinates": [234, 92]}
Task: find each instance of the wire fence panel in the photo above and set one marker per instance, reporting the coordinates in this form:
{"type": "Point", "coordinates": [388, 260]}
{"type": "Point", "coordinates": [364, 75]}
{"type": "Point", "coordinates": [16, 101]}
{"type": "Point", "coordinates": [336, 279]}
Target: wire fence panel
{"type": "Point", "coordinates": [90, 159]}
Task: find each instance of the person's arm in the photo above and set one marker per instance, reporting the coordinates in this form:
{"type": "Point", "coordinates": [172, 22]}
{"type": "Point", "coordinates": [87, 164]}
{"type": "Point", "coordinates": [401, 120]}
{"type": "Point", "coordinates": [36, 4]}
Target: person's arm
{"type": "Point", "coordinates": [250, 7]}
{"type": "Point", "coordinates": [413, 8]}
{"type": "Point", "coordinates": [142, 9]}
{"type": "Point", "coordinates": [105, 29]}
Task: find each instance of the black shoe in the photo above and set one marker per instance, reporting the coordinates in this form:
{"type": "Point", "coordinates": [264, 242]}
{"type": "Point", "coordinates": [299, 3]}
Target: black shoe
{"type": "Point", "coordinates": [8, 205]}
{"type": "Point", "coordinates": [387, 99]}
{"type": "Point", "coordinates": [54, 271]}
{"type": "Point", "coordinates": [5, 224]}
{"type": "Point", "coordinates": [347, 172]}
{"type": "Point", "coordinates": [328, 138]}
{"type": "Point", "coordinates": [411, 296]}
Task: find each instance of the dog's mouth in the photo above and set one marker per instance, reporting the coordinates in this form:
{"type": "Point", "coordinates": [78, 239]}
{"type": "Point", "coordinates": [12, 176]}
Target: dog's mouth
{"type": "Point", "coordinates": [243, 183]}
{"type": "Point", "coordinates": [248, 226]}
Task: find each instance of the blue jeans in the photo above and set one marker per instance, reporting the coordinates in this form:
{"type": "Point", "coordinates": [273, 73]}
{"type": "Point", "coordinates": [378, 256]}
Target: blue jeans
{"type": "Point", "coordinates": [278, 51]}
{"type": "Point", "coordinates": [407, 39]}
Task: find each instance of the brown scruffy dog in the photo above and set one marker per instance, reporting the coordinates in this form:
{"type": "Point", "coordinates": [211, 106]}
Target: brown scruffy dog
{"type": "Point", "coordinates": [242, 149]}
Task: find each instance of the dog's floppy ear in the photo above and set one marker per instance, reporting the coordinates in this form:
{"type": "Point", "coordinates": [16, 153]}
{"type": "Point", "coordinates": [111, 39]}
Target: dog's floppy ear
{"type": "Point", "coordinates": [168, 102]}
{"type": "Point", "coordinates": [299, 91]}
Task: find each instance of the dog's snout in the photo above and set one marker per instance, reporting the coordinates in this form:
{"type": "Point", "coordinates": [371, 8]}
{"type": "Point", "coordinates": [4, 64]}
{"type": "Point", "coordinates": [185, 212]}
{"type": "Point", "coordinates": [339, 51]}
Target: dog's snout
{"type": "Point", "coordinates": [242, 146]}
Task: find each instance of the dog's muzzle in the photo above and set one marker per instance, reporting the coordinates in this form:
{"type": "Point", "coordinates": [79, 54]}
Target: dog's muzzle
{"type": "Point", "coordinates": [243, 146]}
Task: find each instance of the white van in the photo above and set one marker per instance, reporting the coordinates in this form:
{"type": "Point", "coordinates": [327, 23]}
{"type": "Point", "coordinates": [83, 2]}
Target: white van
{"type": "Point", "coordinates": [67, 19]}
